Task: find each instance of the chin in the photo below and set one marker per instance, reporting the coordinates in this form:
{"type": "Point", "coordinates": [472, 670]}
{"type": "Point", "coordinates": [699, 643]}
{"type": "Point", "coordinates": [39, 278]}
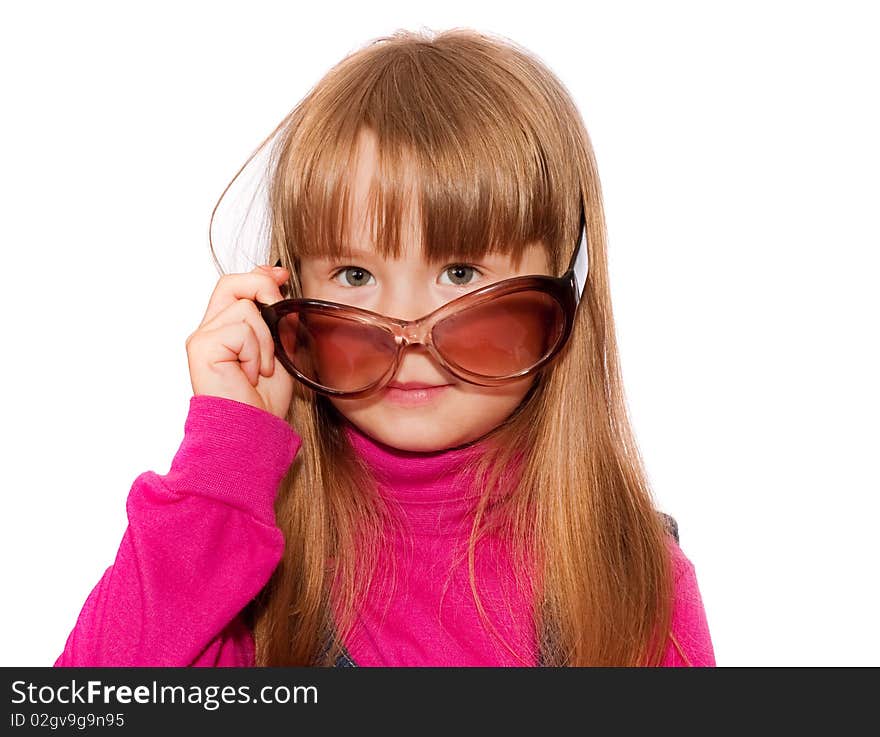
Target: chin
{"type": "Point", "coordinates": [450, 424]}
{"type": "Point", "coordinates": [415, 432]}
{"type": "Point", "coordinates": [413, 436]}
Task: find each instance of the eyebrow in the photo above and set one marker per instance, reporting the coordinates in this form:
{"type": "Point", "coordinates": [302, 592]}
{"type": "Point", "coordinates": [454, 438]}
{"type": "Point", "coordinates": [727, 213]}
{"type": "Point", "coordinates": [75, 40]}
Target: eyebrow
{"type": "Point", "coordinates": [357, 253]}
{"type": "Point", "coordinates": [347, 253]}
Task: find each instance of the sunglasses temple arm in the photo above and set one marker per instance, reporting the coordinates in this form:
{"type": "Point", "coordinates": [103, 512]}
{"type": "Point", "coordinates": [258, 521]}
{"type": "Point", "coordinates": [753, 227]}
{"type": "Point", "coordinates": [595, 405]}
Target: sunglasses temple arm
{"type": "Point", "coordinates": [285, 288]}
{"type": "Point", "coordinates": [580, 264]}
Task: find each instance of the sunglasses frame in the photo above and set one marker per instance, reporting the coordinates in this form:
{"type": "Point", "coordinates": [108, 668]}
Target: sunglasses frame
{"type": "Point", "coordinates": [567, 290]}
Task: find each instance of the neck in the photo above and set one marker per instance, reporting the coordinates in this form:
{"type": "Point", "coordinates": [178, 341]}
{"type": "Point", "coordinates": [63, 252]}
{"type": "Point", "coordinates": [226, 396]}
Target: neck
{"type": "Point", "coordinates": [434, 492]}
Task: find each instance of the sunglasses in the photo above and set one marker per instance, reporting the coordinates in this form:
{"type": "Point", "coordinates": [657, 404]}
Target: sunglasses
{"type": "Point", "coordinates": [491, 336]}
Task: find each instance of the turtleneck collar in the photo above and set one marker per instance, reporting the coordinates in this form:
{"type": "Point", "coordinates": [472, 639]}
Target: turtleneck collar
{"type": "Point", "coordinates": [429, 489]}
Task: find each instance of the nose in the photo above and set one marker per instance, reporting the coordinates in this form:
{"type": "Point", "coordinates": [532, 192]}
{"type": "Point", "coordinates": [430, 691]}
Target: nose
{"type": "Point", "coordinates": [417, 364]}
{"type": "Point", "coordinates": [413, 338]}
{"type": "Point", "coordinates": [414, 333]}
{"type": "Point", "coordinates": [407, 302]}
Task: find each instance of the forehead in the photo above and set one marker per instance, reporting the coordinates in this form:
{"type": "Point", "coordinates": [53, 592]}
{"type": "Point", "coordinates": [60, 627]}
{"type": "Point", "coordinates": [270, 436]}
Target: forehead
{"type": "Point", "coordinates": [364, 178]}
{"type": "Point", "coordinates": [360, 234]}
{"type": "Point", "coordinates": [381, 201]}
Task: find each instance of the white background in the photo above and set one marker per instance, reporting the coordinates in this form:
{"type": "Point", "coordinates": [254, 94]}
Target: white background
{"type": "Point", "coordinates": [738, 150]}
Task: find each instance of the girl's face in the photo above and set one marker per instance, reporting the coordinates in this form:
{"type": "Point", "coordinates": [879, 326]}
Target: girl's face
{"type": "Point", "coordinates": [408, 288]}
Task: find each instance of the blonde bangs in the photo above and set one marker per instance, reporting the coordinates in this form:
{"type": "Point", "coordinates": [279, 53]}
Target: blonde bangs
{"type": "Point", "coordinates": [474, 162]}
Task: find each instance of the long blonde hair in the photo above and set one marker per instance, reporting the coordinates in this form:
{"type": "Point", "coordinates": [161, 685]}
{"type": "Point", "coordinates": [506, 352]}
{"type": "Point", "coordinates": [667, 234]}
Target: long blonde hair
{"type": "Point", "coordinates": [495, 149]}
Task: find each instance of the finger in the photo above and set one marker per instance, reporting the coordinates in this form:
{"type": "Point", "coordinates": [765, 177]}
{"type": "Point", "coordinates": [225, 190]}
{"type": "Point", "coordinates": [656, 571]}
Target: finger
{"type": "Point", "coordinates": [245, 310]}
{"type": "Point", "coordinates": [261, 284]}
{"type": "Point", "coordinates": [236, 342]}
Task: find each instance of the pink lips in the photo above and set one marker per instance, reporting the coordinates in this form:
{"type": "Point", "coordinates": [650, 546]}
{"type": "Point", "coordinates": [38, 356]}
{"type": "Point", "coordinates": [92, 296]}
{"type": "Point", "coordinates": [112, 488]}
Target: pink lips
{"type": "Point", "coordinates": [413, 393]}
{"type": "Point", "coordinates": [412, 385]}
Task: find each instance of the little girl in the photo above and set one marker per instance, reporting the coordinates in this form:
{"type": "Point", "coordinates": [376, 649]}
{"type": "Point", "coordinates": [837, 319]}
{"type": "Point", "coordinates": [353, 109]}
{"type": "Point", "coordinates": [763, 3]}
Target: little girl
{"type": "Point", "coordinates": [409, 445]}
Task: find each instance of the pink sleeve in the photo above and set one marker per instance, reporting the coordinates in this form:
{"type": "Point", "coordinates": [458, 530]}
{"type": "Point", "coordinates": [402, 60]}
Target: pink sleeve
{"type": "Point", "coordinates": [201, 542]}
{"type": "Point", "coordinates": [689, 625]}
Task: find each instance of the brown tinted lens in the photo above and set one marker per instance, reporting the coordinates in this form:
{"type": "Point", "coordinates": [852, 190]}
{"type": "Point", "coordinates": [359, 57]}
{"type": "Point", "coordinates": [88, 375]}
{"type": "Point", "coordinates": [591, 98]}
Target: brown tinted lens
{"type": "Point", "coordinates": [502, 336]}
{"type": "Point", "coordinates": [336, 352]}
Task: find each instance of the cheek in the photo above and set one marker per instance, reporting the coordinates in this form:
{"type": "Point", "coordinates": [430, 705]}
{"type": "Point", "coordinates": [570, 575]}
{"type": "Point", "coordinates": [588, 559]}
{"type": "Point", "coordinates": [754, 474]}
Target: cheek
{"type": "Point", "coordinates": [496, 398]}
{"type": "Point", "coordinates": [478, 409]}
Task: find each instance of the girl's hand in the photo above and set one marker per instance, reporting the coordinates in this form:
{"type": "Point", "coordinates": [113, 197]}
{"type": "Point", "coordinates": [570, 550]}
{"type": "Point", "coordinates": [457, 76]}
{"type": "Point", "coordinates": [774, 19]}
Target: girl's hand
{"type": "Point", "coordinates": [232, 354]}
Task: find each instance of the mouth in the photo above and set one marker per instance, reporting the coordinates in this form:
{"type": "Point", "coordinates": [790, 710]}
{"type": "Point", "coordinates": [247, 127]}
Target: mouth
{"type": "Point", "coordinates": [413, 393]}
{"type": "Point", "coordinates": [407, 385]}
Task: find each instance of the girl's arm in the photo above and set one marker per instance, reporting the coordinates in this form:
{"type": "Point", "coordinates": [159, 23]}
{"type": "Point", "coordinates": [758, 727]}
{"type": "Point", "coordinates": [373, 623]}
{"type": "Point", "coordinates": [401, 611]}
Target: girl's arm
{"type": "Point", "coordinates": [201, 542]}
{"type": "Point", "coordinates": [689, 625]}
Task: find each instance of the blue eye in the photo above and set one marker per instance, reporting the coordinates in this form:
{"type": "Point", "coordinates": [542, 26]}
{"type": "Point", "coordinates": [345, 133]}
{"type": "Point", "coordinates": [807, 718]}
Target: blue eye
{"type": "Point", "coordinates": [355, 270]}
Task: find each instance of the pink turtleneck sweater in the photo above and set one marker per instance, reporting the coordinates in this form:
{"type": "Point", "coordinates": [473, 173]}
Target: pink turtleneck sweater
{"type": "Point", "coordinates": [202, 541]}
